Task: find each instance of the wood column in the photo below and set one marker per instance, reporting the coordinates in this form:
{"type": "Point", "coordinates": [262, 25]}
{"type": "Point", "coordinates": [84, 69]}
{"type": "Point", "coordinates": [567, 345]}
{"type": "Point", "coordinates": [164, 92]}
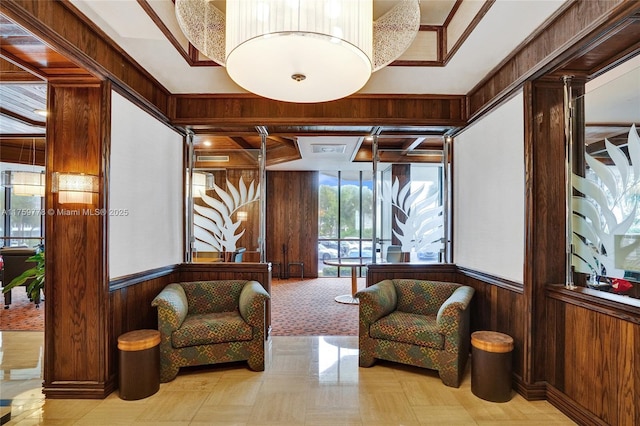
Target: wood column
{"type": "Point", "coordinates": [76, 287]}
{"type": "Point", "coordinates": [545, 219]}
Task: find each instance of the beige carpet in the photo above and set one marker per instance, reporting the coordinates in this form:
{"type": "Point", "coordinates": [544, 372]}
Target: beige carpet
{"type": "Point", "coordinates": [308, 308]}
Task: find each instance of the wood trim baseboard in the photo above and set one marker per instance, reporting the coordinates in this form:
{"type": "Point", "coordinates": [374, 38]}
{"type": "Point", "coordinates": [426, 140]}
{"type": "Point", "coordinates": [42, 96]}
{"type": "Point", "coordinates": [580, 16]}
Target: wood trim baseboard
{"type": "Point", "coordinates": [530, 392]}
{"type": "Point", "coordinates": [79, 390]}
{"type": "Point", "coordinates": [571, 408]}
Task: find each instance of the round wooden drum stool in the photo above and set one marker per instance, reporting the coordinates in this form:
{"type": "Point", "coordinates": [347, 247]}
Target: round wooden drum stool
{"type": "Point", "coordinates": [491, 365]}
{"type": "Point", "coordinates": [139, 364]}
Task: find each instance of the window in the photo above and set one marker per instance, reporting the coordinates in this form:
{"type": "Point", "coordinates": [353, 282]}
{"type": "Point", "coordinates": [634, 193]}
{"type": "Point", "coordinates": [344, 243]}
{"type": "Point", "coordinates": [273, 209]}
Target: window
{"type": "Point", "coordinates": [409, 215]}
{"type": "Point", "coordinates": [345, 218]}
{"type": "Point", "coordinates": [22, 219]}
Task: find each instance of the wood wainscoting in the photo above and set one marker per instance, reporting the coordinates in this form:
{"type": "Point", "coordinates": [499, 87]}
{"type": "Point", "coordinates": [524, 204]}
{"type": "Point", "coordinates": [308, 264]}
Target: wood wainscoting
{"type": "Point", "coordinates": [593, 356]}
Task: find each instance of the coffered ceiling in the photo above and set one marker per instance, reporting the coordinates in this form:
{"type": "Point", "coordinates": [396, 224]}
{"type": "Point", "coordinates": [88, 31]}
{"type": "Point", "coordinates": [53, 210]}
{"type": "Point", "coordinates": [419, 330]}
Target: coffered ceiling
{"type": "Point", "coordinates": [457, 46]}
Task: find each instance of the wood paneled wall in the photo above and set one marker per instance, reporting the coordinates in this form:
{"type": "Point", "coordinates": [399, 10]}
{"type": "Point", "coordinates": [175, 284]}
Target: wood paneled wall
{"type": "Point", "coordinates": [292, 220]}
{"type": "Point", "coordinates": [499, 306]}
{"type": "Point", "coordinates": [76, 337]}
{"type": "Point", "coordinates": [130, 306]}
{"type": "Point", "coordinates": [593, 358]}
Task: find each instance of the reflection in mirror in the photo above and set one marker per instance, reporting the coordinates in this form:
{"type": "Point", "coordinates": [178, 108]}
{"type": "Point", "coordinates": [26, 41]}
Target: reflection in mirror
{"type": "Point", "coordinates": [606, 201]}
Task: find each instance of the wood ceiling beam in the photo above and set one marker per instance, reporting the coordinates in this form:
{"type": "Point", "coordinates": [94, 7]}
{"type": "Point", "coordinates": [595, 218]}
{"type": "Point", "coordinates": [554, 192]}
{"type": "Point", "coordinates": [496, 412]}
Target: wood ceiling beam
{"type": "Point", "coordinates": [284, 141]}
{"type": "Point", "coordinates": [241, 142]}
{"type": "Point", "coordinates": [243, 109]}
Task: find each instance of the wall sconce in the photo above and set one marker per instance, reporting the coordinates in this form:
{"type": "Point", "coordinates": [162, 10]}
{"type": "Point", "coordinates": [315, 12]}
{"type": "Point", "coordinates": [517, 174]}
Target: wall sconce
{"type": "Point", "coordinates": [242, 216]}
{"type": "Point", "coordinates": [75, 188]}
{"type": "Point", "coordinates": [24, 183]}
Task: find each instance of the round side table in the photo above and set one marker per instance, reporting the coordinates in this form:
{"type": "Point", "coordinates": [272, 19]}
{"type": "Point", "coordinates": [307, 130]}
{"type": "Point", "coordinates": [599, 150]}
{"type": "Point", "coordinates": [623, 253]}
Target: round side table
{"type": "Point", "coordinates": [491, 365]}
{"type": "Point", "coordinates": [139, 364]}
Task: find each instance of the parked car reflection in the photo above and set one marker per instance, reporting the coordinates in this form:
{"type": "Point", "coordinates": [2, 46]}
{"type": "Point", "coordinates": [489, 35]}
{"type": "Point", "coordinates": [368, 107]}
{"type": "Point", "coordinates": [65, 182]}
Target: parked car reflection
{"type": "Point", "coordinates": [325, 253]}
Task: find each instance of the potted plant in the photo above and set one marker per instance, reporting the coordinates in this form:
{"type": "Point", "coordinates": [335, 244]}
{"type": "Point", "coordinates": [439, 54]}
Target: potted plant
{"type": "Point", "coordinates": [35, 274]}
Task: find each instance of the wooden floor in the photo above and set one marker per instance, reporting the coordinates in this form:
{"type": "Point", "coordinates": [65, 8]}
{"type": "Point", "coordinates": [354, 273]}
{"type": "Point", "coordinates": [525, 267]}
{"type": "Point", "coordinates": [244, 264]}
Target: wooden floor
{"type": "Point", "coordinates": [308, 381]}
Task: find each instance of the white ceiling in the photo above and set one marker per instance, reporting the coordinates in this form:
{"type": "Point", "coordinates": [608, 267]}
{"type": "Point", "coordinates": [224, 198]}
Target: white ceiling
{"type": "Point", "coordinates": [130, 27]}
{"type": "Point", "coordinates": [504, 27]}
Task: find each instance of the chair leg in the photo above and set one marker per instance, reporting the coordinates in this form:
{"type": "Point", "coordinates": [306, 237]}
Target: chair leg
{"type": "Point", "coordinates": [450, 378]}
{"type": "Point", "coordinates": [168, 373]}
{"type": "Point", "coordinates": [365, 360]}
{"type": "Point", "coordinates": [256, 363]}
{"type": "Point", "coordinates": [451, 370]}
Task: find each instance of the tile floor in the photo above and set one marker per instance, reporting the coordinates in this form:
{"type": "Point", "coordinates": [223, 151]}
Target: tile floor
{"type": "Point", "coordinates": [308, 381]}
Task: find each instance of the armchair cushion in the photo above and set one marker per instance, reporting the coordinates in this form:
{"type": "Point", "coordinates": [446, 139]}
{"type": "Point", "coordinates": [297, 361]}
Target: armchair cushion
{"type": "Point", "coordinates": [205, 329]}
{"type": "Point", "coordinates": [408, 328]}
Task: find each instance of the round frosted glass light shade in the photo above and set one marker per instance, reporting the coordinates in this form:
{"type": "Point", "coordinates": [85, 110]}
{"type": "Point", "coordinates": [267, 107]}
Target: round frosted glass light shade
{"type": "Point", "coordinates": [299, 50]}
{"type": "Point", "coordinates": [332, 69]}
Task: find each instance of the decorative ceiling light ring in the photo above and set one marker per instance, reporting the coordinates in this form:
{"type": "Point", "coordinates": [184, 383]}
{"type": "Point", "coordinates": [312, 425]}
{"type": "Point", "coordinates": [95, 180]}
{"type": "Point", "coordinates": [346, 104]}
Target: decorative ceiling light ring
{"type": "Point", "coordinates": [299, 50]}
{"type": "Point", "coordinates": [394, 32]}
{"type": "Point", "coordinates": [204, 26]}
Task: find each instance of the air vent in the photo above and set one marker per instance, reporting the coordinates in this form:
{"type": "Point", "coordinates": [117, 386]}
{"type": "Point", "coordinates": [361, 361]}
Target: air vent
{"type": "Point", "coordinates": [328, 148]}
{"type": "Point", "coordinates": [214, 158]}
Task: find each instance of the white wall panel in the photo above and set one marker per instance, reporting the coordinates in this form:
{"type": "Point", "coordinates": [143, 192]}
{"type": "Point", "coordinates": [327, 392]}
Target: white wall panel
{"type": "Point", "coordinates": [489, 193]}
{"type": "Point", "coordinates": [145, 192]}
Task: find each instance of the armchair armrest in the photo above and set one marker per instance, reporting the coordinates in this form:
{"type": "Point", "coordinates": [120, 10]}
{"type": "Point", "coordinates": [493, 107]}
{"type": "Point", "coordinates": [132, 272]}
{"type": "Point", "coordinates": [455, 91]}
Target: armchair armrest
{"type": "Point", "coordinates": [172, 308]}
{"type": "Point", "coordinates": [377, 301]}
{"type": "Point", "coordinates": [450, 313]}
{"type": "Point", "coordinates": [251, 304]}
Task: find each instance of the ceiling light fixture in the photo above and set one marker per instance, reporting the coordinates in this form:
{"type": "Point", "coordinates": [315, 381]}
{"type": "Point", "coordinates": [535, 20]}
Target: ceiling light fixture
{"type": "Point", "coordinates": [24, 183]}
{"type": "Point", "coordinates": [299, 50]}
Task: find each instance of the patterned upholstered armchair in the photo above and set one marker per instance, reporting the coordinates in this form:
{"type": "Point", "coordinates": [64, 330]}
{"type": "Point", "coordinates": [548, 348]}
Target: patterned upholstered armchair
{"type": "Point", "coordinates": [210, 322]}
{"type": "Point", "coordinates": [415, 322]}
